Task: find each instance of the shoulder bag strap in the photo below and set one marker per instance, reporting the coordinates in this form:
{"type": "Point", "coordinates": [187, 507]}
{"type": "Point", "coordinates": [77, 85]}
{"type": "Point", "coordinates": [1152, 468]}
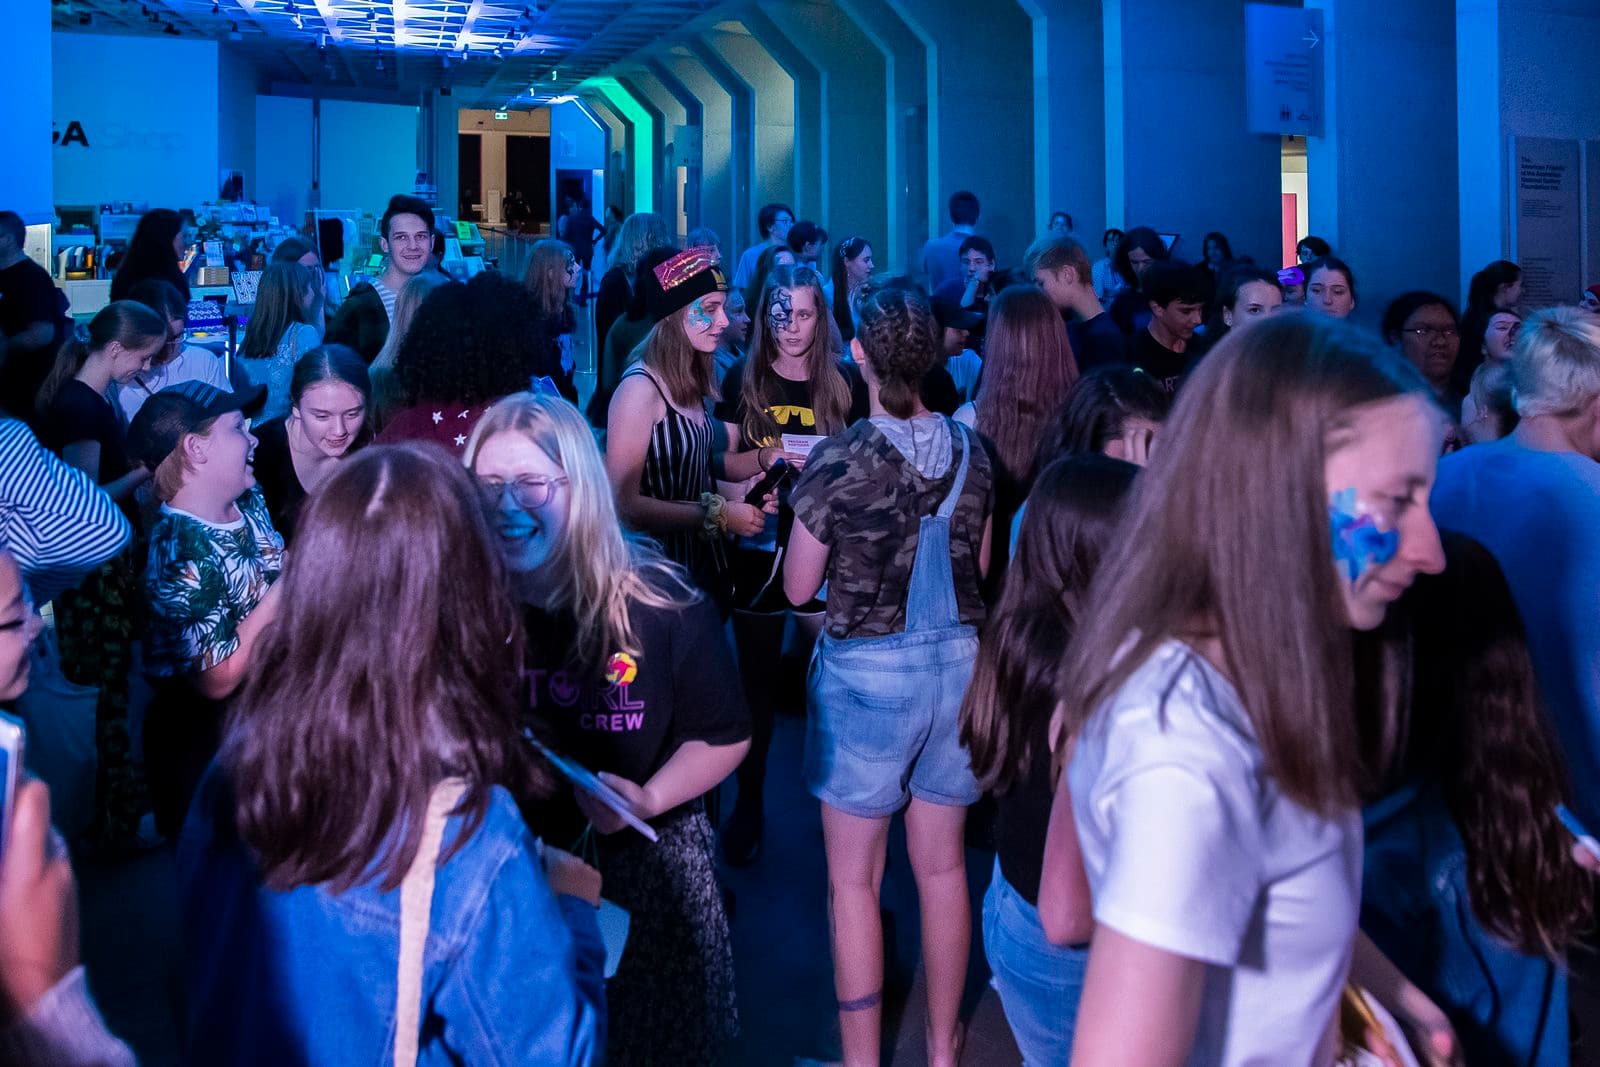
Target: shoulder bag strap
{"type": "Point", "coordinates": [416, 909]}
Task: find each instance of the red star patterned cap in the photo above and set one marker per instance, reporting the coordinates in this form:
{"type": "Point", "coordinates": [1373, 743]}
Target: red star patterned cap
{"type": "Point", "coordinates": [685, 278]}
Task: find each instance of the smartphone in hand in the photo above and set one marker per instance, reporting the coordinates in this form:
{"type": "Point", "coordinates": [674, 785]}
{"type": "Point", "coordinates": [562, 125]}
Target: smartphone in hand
{"type": "Point", "coordinates": [775, 475]}
{"type": "Point", "coordinates": [11, 737]}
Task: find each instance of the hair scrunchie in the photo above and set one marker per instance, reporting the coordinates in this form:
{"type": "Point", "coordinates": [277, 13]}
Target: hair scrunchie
{"type": "Point", "coordinates": [80, 333]}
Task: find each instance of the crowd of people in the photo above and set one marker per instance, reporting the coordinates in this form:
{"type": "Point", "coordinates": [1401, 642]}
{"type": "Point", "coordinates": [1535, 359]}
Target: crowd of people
{"type": "Point", "coordinates": [1256, 646]}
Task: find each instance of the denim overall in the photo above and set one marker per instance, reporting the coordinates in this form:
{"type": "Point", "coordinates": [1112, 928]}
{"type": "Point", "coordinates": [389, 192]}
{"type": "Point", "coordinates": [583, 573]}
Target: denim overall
{"type": "Point", "coordinates": [884, 711]}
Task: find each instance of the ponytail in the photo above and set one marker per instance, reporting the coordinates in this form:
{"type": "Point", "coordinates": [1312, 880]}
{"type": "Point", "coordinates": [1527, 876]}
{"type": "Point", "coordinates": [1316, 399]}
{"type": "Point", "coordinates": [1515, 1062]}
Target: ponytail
{"type": "Point", "coordinates": [126, 322]}
{"type": "Point", "coordinates": [897, 333]}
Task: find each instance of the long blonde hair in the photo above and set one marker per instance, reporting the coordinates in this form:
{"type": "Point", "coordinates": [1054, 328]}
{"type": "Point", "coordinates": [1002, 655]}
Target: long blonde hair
{"type": "Point", "coordinates": [641, 231]}
{"type": "Point", "coordinates": [386, 397]}
{"type": "Point", "coordinates": [600, 571]}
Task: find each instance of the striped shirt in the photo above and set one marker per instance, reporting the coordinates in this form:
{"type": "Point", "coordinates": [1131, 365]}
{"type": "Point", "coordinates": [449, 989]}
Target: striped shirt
{"type": "Point", "coordinates": [677, 466]}
{"type": "Point", "coordinates": [387, 295]}
{"type": "Point", "coordinates": [54, 520]}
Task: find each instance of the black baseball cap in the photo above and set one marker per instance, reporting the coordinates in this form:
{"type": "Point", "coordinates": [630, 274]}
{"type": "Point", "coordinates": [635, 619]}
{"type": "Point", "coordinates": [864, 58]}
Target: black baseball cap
{"type": "Point", "coordinates": [950, 315]}
{"type": "Point", "coordinates": [178, 409]}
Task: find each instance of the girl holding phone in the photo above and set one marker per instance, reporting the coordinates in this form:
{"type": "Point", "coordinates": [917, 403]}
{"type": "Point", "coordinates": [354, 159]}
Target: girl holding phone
{"type": "Point", "coordinates": [792, 384]}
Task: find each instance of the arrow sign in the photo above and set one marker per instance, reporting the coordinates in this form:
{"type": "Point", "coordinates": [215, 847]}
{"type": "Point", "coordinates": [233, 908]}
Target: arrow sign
{"type": "Point", "coordinates": [1283, 69]}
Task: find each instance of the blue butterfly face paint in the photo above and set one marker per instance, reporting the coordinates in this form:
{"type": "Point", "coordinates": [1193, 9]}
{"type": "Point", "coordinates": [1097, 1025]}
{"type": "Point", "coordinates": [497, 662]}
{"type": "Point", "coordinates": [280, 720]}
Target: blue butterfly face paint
{"type": "Point", "coordinates": [1360, 541]}
{"type": "Point", "coordinates": [700, 318]}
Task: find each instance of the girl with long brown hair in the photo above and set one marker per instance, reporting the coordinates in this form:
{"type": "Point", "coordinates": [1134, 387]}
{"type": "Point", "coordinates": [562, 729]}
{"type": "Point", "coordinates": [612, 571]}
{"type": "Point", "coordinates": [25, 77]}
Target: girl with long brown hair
{"type": "Point", "coordinates": [659, 437]}
{"type": "Point", "coordinates": [1470, 883]}
{"type": "Point", "coordinates": [1028, 370]}
{"type": "Point", "coordinates": [792, 387]}
{"type": "Point", "coordinates": [287, 322]}
{"type": "Point", "coordinates": [1005, 727]}
{"type": "Point", "coordinates": [335, 765]}
{"type": "Point", "coordinates": [1215, 768]}
{"type": "Point", "coordinates": [553, 277]}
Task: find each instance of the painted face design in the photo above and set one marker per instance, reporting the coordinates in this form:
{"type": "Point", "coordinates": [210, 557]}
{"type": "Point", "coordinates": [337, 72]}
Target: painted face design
{"type": "Point", "coordinates": [1360, 541]}
{"type": "Point", "coordinates": [699, 317]}
{"type": "Point", "coordinates": [780, 310]}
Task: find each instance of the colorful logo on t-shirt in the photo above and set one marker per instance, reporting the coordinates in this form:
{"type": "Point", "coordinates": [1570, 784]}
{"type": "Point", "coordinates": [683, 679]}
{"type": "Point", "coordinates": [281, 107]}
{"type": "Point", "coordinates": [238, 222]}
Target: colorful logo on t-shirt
{"type": "Point", "coordinates": [621, 669]}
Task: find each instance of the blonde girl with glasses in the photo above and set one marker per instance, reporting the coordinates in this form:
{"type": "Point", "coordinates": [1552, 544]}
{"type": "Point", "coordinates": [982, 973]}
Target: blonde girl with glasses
{"type": "Point", "coordinates": [627, 672]}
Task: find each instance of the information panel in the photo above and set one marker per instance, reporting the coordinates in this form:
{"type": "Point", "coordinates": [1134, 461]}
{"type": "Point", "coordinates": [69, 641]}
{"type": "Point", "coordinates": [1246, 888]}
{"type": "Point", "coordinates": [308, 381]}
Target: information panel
{"type": "Point", "coordinates": [1547, 219]}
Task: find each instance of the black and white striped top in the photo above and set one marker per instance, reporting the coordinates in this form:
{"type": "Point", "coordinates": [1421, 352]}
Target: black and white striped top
{"type": "Point", "coordinates": [677, 466]}
{"type": "Point", "coordinates": [54, 520]}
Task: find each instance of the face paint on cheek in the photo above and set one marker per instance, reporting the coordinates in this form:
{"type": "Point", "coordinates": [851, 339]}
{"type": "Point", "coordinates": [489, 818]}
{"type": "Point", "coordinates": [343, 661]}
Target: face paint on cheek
{"type": "Point", "coordinates": [780, 310]}
{"type": "Point", "coordinates": [700, 318]}
{"type": "Point", "coordinates": [1360, 542]}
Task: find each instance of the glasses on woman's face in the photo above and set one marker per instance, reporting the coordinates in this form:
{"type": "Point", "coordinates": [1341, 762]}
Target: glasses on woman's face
{"type": "Point", "coordinates": [1430, 333]}
{"type": "Point", "coordinates": [529, 494]}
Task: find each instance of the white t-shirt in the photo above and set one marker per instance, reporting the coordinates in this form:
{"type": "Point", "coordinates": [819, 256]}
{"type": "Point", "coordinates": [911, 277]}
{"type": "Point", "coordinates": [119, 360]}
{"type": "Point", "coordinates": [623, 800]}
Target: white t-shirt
{"type": "Point", "coordinates": [1191, 848]}
{"type": "Point", "coordinates": [191, 364]}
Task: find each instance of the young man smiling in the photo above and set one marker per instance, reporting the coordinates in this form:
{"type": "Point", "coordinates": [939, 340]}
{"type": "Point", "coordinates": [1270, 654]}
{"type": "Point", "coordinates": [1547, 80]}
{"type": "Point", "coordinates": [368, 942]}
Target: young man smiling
{"type": "Point", "coordinates": [405, 234]}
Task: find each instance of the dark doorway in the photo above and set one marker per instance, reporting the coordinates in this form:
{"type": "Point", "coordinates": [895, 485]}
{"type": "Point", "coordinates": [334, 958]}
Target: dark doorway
{"type": "Point", "coordinates": [528, 174]}
{"type": "Point", "coordinates": [469, 158]}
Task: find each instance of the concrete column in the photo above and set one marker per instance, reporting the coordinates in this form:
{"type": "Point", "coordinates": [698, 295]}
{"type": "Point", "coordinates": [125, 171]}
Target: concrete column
{"type": "Point", "coordinates": [642, 148]}
{"type": "Point", "coordinates": [1384, 178]}
{"type": "Point", "coordinates": [1179, 157]}
{"type": "Point", "coordinates": [686, 197]}
{"type": "Point", "coordinates": [1516, 76]}
{"type": "Point", "coordinates": [660, 200]}
{"type": "Point", "coordinates": [616, 147]}
{"type": "Point", "coordinates": [1069, 115]}
{"type": "Point", "coordinates": [717, 161]}
{"type": "Point", "coordinates": [854, 119]}
{"type": "Point", "coordinates": [906, 89]}
{"type": "Point", "coordinates": [742, 124]}
{"type": "Point", "coordinates": [671, 112]}
{"type": "Point", "coordinates": [438, 151]}
{"type": "Point", "coordinates": [777, 156]}
{"type": "Point", "coordinates": [809, 117]}
{"type": "Point", "coordinates": [25, 83]}
{"type": "Point", "coordinates": [980, 118]}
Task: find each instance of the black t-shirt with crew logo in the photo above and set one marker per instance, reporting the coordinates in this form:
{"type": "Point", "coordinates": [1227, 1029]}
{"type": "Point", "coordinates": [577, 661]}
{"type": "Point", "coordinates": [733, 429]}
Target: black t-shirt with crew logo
{"type": "Point", "coordinates": [631, 712]}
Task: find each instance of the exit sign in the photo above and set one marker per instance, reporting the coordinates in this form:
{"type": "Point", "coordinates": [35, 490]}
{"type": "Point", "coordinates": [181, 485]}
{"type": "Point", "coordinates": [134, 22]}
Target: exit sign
{"type": "Point", "coordinates": [502, 115]}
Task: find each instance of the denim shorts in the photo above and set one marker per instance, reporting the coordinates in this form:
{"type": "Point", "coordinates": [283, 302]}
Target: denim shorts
{"type": "Point", "coordinates": [884, 721]}
{"type": "Point", "coordinates": [1039, 984]}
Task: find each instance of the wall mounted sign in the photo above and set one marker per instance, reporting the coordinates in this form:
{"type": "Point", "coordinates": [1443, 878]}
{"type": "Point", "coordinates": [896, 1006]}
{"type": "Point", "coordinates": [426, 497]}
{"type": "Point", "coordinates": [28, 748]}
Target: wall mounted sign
{"type": "Point", "coordinates": [1283, 50]}
{"type": "Point", "coordinates": [1547, 231]}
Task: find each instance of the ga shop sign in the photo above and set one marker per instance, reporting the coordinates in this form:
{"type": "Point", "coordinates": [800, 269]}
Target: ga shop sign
{"type": "Point", "coordinates": [117, 137]}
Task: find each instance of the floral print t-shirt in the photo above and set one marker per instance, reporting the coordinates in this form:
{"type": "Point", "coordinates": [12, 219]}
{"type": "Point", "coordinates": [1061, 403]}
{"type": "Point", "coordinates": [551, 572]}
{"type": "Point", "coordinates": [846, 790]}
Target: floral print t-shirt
{"type": "Point", "coordinates": [204, 578]}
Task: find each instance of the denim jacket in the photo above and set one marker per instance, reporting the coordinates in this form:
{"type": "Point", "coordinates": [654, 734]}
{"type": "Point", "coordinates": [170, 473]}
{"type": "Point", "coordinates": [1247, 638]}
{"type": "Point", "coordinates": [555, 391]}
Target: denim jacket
{"type": "Point", "coordinates": [1507, 1007]}
{"type": "Point", "coordinates": [511, 973]}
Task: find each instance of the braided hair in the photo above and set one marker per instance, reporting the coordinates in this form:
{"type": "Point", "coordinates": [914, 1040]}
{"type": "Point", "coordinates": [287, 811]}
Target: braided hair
{"type": "Point", "coordinates": [897, 333]}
